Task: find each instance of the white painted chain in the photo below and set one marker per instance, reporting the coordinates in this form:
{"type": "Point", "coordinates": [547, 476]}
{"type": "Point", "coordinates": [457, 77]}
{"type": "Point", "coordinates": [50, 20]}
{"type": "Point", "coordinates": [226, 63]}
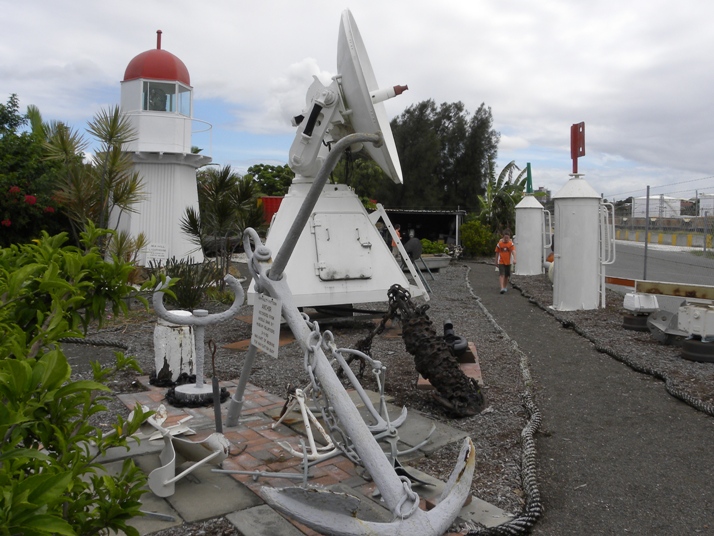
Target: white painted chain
{"type": "Point", "coordinates": [409, 494]}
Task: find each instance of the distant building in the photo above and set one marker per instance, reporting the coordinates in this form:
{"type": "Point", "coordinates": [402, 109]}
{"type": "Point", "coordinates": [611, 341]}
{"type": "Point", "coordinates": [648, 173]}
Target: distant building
{"type": "Point", "coordinates": [706, 205]}
{"type": "Point", "coordinates": [543, 195]}
{"type": "Point", "coordinates": [660, 206]}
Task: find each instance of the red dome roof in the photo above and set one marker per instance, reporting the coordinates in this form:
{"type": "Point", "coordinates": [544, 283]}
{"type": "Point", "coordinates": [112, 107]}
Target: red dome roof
{"type": "Point", "coordinates": [157, 64]}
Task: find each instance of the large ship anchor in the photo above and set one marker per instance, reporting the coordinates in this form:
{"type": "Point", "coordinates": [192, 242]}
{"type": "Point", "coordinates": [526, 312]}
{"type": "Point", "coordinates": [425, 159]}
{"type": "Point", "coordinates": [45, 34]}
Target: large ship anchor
{"type": "Point", "coordinates": [326, 511]}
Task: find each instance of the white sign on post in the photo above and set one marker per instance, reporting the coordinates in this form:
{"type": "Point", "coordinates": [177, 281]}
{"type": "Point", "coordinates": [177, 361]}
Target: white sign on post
{"type": "Point", "coordinates": [157, 254]}
{"type": "Point", "coordinates": [266, 324]}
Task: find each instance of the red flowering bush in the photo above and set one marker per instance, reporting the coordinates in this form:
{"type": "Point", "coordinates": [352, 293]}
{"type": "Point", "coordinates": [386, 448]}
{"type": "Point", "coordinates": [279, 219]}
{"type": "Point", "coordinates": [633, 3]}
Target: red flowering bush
{"type": "Point", "coordinates": [23, 215]}
{"type": "Point", "coordinates": [28, 181]}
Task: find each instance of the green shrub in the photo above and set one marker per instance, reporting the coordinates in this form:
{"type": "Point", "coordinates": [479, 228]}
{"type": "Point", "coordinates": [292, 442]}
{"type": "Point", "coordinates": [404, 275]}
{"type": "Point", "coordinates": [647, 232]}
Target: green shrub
{"type": "Point", "coordinates": [226, 297]}
{"type": "Point", "coordinates": [190, 281]}
{"type": "Point", "coordinates": [477, 239]}
{"type": "Point", "coordinates": [51, 480]}
{"type": "Point", "coordinates": [429, 247]}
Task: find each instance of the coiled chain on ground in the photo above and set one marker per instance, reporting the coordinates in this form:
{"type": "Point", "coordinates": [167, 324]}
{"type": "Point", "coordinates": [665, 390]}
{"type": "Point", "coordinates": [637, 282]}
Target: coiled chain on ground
{"type": "Point", "coordinates": [533, 510]}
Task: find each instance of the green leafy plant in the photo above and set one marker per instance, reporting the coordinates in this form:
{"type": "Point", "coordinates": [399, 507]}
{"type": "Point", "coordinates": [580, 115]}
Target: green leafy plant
{"type": "Point", "coordinates": [433, 248]}
{"type": "Point", "coordinates": [128, 248]}
{"type": "Point", "coordinates": [477, 239]}
{"type": "Point", "coordinates": [28, 203]}
{"type": "Point", "coordinates": [50, 475]}
{"type": "Point", "coordinates": [190, 281]}
{"type": "Point", "coordinates": [226, 297]}
{"type": "Point", "coordinates": [228, 204]}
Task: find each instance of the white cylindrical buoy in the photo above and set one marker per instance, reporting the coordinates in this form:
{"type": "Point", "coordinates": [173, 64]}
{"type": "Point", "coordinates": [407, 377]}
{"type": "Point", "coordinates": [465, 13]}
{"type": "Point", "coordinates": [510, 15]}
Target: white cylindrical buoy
{"type": "Point", "coordinates": [576, 282]}
{"type": "Point", "coordinates": [529, 237]}
{"type": "Point", "coordinates": [174, 348]}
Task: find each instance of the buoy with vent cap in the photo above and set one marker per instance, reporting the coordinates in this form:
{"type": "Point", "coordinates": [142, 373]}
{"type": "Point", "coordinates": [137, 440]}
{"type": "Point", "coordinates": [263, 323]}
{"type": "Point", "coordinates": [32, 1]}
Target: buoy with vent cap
{"type": "Point", "coordinates": [530, 236]}
{"type": "Point", "coordinates": [532, 232]}
{"type": "Point", "coordinates": [576, 282]}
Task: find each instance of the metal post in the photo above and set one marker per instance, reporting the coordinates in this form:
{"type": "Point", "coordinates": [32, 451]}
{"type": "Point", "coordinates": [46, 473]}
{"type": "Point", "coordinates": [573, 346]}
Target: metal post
{"type": "Point", "coordinates": [235, 405]}
{"type": "Point", "coordinates": [199, 332]}
{"type": "Point", "coordinates": [647, 230]}
{"type": "Point", "coordinates": [706, 230]}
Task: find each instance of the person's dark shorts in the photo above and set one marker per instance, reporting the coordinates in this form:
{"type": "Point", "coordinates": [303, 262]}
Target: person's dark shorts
{"type": "Point", "coordinates": [504, 269]}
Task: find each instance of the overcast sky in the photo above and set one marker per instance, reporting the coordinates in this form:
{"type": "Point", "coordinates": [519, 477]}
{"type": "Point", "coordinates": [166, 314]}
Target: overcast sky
{"type": "Point", "coordinates": [638, 73]}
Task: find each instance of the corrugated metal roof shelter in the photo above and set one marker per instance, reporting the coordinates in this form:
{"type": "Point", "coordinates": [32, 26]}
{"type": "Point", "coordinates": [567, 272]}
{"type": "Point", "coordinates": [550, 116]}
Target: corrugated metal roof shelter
{"type": "Point", "coordinates": [434, 225]}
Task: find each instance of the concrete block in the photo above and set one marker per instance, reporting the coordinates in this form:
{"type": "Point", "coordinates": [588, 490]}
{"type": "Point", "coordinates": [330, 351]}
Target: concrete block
{"type": "Point", "coordinates": [417, 426]}
{"type": "Point", "coordinates": [203, 494]}
{"type": "Point", "coordinates": [150, 523]}
{"type": "Point", "coordinates": [262, 520]}
{"type": "Point", "coordinates": [174, 348]}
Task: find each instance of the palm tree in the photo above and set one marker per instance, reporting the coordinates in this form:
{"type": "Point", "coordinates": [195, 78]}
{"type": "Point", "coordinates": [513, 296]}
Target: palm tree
{"type": "Point", "coordinates": [119, 185]}
{"type": "Point", "coordinates": [502, 194]}
{"type": "Point", "coordinates": [228, 204]}
{"type": "Point", "coordinates": [91, 191]}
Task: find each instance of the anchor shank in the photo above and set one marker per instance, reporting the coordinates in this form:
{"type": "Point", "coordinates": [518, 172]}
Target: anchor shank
{"type": "Point", "coordinates": [371, 454]}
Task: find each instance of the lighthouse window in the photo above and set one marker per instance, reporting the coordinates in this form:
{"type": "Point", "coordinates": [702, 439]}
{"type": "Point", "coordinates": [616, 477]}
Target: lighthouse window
{"type": "Point", "coordinates": [184, 100]}
{"type": "Point", "coordinates": [159, 96]}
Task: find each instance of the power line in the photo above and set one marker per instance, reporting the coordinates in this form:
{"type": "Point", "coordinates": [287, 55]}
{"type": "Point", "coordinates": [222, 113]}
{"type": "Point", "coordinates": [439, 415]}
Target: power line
{"type": "Point", "coordinates": [661, 186]}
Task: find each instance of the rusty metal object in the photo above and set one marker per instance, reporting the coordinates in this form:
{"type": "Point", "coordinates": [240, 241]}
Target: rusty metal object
{"type": "Point", "coordinates": [433, 358]}
{"type": "Point", "coordinates": [684, 290]}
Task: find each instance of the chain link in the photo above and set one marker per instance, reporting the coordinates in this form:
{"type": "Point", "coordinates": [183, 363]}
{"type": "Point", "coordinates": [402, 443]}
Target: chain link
{"type": "Point", "coordinates": [326, 341]}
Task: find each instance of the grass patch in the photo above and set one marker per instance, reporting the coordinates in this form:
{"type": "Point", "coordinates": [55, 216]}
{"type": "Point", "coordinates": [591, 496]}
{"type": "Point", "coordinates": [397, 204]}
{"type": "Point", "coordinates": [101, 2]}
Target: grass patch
{"type": "Point", "coordinates": [708, 254]}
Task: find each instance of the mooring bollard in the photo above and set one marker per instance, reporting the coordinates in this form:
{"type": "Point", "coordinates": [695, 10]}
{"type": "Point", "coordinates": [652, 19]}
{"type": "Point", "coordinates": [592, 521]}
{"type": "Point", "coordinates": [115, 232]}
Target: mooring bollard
{"type": "Point", "coordinates": [198, 393]}
{"type": "Point", "coordinates": [174, 349]}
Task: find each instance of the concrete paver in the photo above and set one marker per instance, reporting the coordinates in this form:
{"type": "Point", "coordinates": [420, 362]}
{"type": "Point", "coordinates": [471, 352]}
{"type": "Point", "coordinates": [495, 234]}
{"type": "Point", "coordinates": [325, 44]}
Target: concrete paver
{"type": "Point", "coordinates": [218, 492]}
{"type": "Point", "coordinates": [262, 521]}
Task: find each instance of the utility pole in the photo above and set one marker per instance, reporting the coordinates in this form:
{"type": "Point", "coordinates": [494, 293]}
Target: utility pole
{"type": "Point", "coordinates": [706, 230]}
{"type": "Point", "coordinates": [647, 230]}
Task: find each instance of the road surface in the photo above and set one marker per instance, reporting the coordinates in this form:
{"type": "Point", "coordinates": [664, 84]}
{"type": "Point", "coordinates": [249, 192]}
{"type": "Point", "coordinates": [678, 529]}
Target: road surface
{"type": "Point", "coordinates": [664, 263]}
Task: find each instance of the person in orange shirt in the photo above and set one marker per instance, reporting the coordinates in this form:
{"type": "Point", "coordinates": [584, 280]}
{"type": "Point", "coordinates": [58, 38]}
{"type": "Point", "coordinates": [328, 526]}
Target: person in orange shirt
{"type": "Point", "coordinates": [505, 257]}
{"type": "Point", "coordinates": [395, 248]}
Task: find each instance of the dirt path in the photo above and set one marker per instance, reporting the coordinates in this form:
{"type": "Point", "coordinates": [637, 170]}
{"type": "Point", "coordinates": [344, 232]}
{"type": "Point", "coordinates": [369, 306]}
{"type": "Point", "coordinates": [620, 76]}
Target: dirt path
{"type": "Point", "coordinates": [616, 453]}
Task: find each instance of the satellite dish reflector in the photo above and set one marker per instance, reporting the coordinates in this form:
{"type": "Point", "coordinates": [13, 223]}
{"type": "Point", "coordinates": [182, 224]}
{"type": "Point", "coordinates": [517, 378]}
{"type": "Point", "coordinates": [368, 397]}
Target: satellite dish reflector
{"type": "Point", "coordinates": [362, 95]}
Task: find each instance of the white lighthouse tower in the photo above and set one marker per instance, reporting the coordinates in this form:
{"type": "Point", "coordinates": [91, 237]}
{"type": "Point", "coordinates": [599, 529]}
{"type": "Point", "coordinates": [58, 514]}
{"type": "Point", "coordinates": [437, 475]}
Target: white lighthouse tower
{"type": "Point", "coordinates": [157, 96]}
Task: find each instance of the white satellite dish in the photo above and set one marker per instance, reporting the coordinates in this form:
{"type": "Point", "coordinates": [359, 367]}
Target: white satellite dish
{"type": "Point", "coordinates": [339, 256]}
{"type": "Point", "coordinates": [362, 95]}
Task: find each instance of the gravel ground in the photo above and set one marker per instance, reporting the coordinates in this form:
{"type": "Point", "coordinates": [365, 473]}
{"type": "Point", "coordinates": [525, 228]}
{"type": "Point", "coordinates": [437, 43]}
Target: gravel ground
{"type": "Point", "coordinates": [496, 432]}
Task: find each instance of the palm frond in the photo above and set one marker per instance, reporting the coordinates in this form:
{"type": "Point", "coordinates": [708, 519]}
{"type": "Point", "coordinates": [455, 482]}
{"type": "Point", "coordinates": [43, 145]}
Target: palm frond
{"type": "Point", "coordinates": [112, 128]}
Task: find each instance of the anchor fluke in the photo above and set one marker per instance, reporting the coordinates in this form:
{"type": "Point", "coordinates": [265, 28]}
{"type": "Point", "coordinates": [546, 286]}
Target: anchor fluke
{"type": "Point", "coordinates": [341, 514]}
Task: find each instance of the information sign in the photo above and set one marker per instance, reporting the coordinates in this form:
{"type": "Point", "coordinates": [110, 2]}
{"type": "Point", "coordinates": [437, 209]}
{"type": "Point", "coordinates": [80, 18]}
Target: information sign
{"type": "Point", "coordinates": [266, 324]}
